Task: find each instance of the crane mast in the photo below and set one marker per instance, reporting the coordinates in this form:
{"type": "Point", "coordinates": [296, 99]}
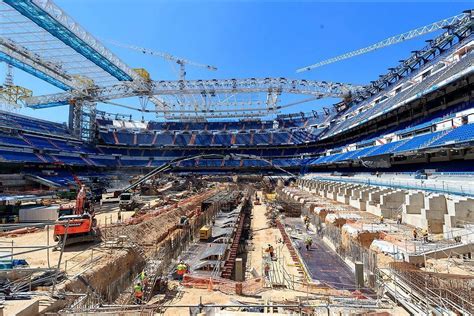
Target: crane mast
{"type": "Point", "coordinates": [451, 22]}
{"type": "Point", "coordinates": [182, 62]}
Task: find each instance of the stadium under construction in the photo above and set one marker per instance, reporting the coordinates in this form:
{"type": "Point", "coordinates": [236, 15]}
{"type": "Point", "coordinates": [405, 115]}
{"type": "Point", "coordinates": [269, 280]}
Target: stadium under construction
{"type": "Point", "coordinates": [232, 201]}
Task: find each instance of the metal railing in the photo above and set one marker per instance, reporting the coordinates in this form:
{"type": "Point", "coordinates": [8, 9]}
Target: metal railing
{"type": "Point", "coordinates": [442, 187]}
{"type": "Point", "coordinates": [448, 292]}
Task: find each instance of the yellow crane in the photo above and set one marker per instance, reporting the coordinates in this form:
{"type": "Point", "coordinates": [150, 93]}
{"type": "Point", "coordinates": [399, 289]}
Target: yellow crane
{"type": "Point", "coordinates": [11, 94]}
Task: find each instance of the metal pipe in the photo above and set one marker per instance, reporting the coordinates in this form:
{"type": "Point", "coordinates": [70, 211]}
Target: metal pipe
{"type": "Point", "coordinates": [23, 247]}
{"type": "Point", "coordinates": [23, 252]}
{"type": "Point", "coordinates": [243, 305]}
{"type": "Point", "coordinates": [60, 257]}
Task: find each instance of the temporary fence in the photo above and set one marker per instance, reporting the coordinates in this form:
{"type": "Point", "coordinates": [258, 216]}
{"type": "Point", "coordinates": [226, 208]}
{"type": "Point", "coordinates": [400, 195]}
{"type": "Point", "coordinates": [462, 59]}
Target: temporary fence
{"type": "Point", "coordinates": [249, 287]}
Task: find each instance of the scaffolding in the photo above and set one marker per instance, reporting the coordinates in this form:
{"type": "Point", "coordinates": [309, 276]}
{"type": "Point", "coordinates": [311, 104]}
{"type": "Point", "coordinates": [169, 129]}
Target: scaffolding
{"type": "Point", "coordinates": [441, 290]}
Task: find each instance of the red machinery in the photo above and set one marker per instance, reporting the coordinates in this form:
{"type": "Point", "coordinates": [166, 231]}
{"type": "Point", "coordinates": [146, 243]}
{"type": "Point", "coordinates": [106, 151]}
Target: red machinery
{"type": "Point", "coordinates": [81, 226]}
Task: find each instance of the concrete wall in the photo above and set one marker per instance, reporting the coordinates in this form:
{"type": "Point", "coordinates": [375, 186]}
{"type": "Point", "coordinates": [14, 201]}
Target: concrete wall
{"type": "Point", "coordinates": [418, 208]}
{"type": "Point", "coordinates": [459, 219]}
{"type": "Point", "coordinates": [434, 211]}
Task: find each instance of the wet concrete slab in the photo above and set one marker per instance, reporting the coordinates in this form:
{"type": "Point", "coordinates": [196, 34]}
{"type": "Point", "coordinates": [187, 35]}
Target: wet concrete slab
{"type": "Point", "coordinates": [322, 264]}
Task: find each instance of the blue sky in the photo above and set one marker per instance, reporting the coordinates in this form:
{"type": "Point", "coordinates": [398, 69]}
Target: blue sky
{"type": "Point", "coordinates": [253, 38]}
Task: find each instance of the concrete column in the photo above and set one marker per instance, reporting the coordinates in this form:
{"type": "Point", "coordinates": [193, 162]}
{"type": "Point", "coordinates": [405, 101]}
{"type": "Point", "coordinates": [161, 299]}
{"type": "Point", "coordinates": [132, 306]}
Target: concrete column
{"type": "Point", "coordinates": [391, 202]}
{"type": "Point", "coordinates": [433, 213]}
{"type": "Point", "coordinates": [460, 211]}
{"type": "Point", "coordinates": [239, 270]}
{"type": "Point", "coordinates": [414, 203]}
{"type": "Point", "coordinates": [359, 274]}
{"type": "Point", "coordinates": [373, 201]}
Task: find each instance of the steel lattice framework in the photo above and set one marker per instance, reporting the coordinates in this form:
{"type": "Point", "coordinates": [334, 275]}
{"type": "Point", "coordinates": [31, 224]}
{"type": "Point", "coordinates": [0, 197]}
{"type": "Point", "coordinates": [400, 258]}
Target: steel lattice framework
{"type": "Point", "coordinates": [40, 38]}
{"type": "Point", "coordinates": [317, 89]}
{"type": "Point", "coordinates": [458, 20]}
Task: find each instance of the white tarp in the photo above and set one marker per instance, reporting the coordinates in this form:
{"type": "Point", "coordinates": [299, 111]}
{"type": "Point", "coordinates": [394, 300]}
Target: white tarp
{"type": "Point", "coordinates": [351, 230]}
{"type": "Point", "coordinates": [332, 217]}
{"type": "Point", "coordinates": [386, 248]}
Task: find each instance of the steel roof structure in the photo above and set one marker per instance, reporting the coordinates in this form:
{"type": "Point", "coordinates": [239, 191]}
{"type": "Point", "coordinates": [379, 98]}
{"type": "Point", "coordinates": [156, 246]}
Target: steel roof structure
{"type": "Point", "coordinates": [41, 39]}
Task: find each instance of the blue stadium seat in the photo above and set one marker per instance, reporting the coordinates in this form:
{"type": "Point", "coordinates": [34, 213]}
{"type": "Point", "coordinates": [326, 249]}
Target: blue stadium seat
{"type": "Point", "coordinates": [385, 149]}
{"type": "Point", "coordinates": [203, 139]}
{"type": "Point", "coordinates": [40, 143]}
{"type": "Point", "coordinates": [70, 160]}
{"type": "Point", "coordinates": [462, 134]}
{"type": "Point", "coordinates": [107, 137]}
{"type": "Point", "coordinates": [261, 138]}
{"type": "Point", "coordinates": [222, 139]}
{"type": "Point", "coordinates": [210, 163]}
{"type": "Point", "coordinates": [145, 138]}
{"type": "Point", "coordinates": [417, 142]}
{"type": "Point", "coordinates": [65, 146]}
{"type": "Point", "coordinates": [280, 138]}
{"type": "Point", "coordinates": [103, 161]}
{"type": "Point", "coordinates": [232, 163]}
{"type": "Point", "coordinates": [188, 163]}
{"type": "Point", "coordinates": [164, 139]}
{"type": "Point", "coordinates": [125, 138]}
{"type": "Point", "coordinates": [14, 156]}
{"type": "Point", "coordinates": [134, 162]}
{"type": "Point", "coordinates": [13, 141]}
{"type": "Point", "coordinates": [114, 151]}
{"type": "Point", "coordinates": [182, 139]}
{"type": "Point", "coordinates": [242, 139]}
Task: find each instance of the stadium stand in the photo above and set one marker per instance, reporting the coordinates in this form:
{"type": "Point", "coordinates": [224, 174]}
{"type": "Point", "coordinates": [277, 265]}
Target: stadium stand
{"type": "Point", "coordinates": [429, 111]}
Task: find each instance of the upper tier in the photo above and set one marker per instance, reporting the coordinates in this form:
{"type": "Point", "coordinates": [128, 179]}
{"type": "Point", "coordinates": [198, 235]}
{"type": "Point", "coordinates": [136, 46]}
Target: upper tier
{"type": "Point", "coordinates": [298, 120]}
{"type": "Point", "coordinates": [29, 124]}
{"type": "Point", "coordinates": [438, 73]}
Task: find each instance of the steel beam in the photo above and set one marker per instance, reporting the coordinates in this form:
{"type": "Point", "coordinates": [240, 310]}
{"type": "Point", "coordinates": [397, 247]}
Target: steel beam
{"type": "Point", "coordinates": [317, 89]}
{"type": "Point", "coordinates": [54, 20]}
{"type": "Point", "coordinates": [461, 19]}
{"type": "Point", "coordinates": [23, 59]}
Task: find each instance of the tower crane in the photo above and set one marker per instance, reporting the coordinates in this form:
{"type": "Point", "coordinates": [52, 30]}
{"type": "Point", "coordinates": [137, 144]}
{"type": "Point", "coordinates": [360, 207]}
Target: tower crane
{"type": "Point", "coordinates": [450, 23]}
{"type": "Point", "coordinates": [182, 62]}
{"type": "Point", "coordinates": [10, 93]}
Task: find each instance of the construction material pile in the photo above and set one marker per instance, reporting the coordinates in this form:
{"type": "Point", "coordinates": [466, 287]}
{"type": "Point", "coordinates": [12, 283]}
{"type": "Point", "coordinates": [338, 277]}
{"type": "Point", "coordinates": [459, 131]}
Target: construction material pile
{"type": "Point", "coordinates": [152, 227]}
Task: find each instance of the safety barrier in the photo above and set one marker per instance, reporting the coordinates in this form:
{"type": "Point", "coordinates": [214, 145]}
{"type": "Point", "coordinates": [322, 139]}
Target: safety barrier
{"type": "Point", "coordinates": [249, 287]}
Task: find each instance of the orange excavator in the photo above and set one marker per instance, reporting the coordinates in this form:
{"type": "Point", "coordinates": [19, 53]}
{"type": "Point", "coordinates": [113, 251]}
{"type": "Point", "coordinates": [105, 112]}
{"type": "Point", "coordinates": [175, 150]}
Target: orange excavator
{"type": "Point", "coordinates": [80, 226]}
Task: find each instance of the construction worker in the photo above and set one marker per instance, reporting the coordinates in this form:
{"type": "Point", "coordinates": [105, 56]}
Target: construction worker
{"type": "Point", "coordinates": [306, 219]}
{"type": "Point", "coordinates": [381, 219]}
{"type": "Point", "coordinates": [144, 278]}
{"type": "Point", "coordinates": [271, 251]}
{"type": "Point", "coordinates": [399, 219]}
{"type": "Point", "coordinates": [266, 270]}
{"type": "Point", "coordinates": [308, 242]}
{"type": "Point", "coordinates": [181, 269]}
{"type": "Point", "coordinates": [138, 290]}
{"type": "Point", "coordinates": [319, 229]}
{"type": "Point", "coordinates": [415, 234]}
{"type": "Point", "coordinates": [424, 234]}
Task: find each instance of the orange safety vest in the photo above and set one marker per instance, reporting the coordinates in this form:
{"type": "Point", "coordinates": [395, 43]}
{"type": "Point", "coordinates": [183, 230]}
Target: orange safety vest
{"type": "Point", "coordinates": [138, 291]}
{"type": "Point", "coordinates": [181, 269]}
